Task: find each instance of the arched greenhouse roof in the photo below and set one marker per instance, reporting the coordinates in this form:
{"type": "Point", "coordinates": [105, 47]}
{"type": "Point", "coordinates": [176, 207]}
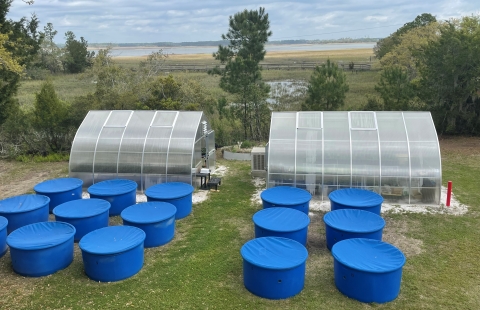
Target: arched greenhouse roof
{"type": "Point", "coordinates": [149, 147]}
{"type": "Point", "coordinates": [395, 154]}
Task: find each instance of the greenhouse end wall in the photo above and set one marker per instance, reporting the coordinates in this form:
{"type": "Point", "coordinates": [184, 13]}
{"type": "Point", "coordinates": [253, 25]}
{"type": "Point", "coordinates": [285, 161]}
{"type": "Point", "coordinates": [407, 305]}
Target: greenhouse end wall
{"type": "Point", "coordinates": [148, 147]}
{"type": "Point", "coordinates": [395, 154]}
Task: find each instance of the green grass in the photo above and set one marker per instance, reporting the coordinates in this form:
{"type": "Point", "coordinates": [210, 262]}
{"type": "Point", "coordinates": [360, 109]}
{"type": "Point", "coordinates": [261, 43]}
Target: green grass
{"type": "Point", "coordinates": [202, 266]}
{"type": "Point", "coordinates": [67, 87]}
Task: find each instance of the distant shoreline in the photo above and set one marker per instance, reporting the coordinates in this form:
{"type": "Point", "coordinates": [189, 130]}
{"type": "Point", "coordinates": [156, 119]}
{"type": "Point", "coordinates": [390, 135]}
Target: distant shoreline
{"type": "Point", "coordinates": [147, 47]}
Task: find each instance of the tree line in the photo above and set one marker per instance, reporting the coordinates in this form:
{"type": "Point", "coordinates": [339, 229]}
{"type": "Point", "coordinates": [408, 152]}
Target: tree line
{"type": "Point", "coordinates": [426, 65]}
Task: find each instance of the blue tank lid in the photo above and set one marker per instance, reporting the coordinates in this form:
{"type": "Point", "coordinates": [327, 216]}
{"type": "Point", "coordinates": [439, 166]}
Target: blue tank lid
{"type": "Point", "coordinates": [170, 190]}
{"type": "Point", "coordinates": [149, 212]}
{"type": "Point", "coordinates": [274, 252]}
{"type": "Point", "coordinates": [281, 219]}
{"type": "Point", "coordinates": [285, 195]}
{"type": "Point", "coordinates": [353, 220]}
{"type": "Point", "coordinates": [40, 235]}
{"type": "Point", "coordinates": [368, 255]}
{"type": "Point", "coordinates": [355, 197]}
{"type": "Point", "coordinates": [80, 208]}
{"type": "Point", "coordinates": [112, 187]}
{"type": "Point", "coordinates": [112, 240]}
{"type": "Point", "coordinates": [3, 222]}
{"type": "Point", "coordinates": [23, 203]}
{"type": "Point", "coordinates": [57, 185]}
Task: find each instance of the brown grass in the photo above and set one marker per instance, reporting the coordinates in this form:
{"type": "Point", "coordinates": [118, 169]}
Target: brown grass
{"type": "Point", "coordinates": [395, 233]}
{"type": "Point", "coordinates": [359, 55]}
{"type": "Point", "coordinates": [18, 178]}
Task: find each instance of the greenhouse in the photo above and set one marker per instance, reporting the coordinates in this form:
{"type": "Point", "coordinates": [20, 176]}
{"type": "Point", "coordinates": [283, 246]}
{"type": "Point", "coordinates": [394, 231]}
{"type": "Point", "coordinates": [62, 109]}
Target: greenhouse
{"type": "Point", "coordinates": [148, 147]}
{"type": "Point", "coordinates": [395, 154]}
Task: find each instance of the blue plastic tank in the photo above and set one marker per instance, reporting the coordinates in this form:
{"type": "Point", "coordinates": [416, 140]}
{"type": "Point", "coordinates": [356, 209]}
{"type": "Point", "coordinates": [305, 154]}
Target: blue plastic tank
{"type": "Point", "coordinates": [41, 249]}
{"type": "Point", "coordinates": [367, 270]}
{"type": "Point", "coordinates": [177, 193]}
{"type": "Point", "coordinates": [23, 210]}
{"type": "Point", "coordinates": [286, 196]}
{"type": "Point", "coordinates": [60, 190]}
{"type": "Point", "coordinates": [120, 193]}
{"type": "Point", "coordinates": [3, 235]}
{"type": "Point", "coordinates": [274, 267]}
{"type": "Point", "coordinates": [355, 198]}
{"type": "Point", "coordinates": [112, 253]}
{"type": "Point", "coordinates": [155, 218]}
{"type": "Point", "coordinates": [281, 222]}
{"type": "Point", "coordinates": [85, 215]}
{"type": "Point", "coordinates": [350, 223]}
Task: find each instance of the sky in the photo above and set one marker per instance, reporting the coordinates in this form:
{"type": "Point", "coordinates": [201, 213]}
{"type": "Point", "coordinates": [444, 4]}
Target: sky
{"type": "Point", "coordinates": [148, 21]}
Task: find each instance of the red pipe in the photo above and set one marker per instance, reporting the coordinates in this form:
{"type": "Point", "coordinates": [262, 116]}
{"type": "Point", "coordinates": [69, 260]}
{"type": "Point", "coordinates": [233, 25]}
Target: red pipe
{"type": "Point", "coordinates": [449, 193]}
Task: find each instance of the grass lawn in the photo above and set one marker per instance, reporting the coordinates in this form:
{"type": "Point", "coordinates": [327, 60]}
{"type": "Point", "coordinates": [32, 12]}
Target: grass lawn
{"type": "Point", "coordinates": [202, 266]}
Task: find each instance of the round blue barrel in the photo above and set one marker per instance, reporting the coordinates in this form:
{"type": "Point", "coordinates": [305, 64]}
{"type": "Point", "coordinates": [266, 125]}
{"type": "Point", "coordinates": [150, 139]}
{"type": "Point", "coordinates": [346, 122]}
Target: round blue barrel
{"type": "Point", "coordinates": [119, 193]}
{"type": "Point", "coordinates": [350, 223]}
{"type": "Point", "coordinates": [282, 222]}
{"type": "Point", "coordinates": [286, 196]}
{"type": "Point", "coordinates": [367, 270]}
{"type": "Point", "coordinates": [112, 253]}
{"type": "Point", "coordinates": [355, 198]}
{"type": "Point", "coordinates": [85, 215]}
{"type": "Point", "coordinates": [177, 193]}
{"type": "Point", "coordinates": [41, 249]}
{"type": "Point", "coordinates": [60, 190]}
{"type": "Point", "coordinates": [156, 219]}
{"type": "Point", "coordinates": [274, 267]}
{"type": "Point", "coordinates": [23, 210]}
{"type": "Point", "coordinates": [3, 235]}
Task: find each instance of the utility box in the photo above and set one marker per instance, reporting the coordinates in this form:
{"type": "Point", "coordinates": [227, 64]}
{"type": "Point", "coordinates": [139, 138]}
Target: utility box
{"type": "Point", "coordinates": [258, 162]}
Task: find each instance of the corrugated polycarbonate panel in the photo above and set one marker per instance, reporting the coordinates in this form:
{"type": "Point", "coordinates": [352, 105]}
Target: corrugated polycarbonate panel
{"type": "Point", "coordinates": [186, 125]}
{"type": "Point", "coordinates": [107, 150]}
{"type": "Point", "coordinates": [365, 154]}
{"type": "Point", "coordinates": [335, 125]}
{"type": "Point", "coordinates": [309, 149]}
{"type": "Point", "coordinates": [283, 125]}
{"type": "Point", "coordinates": [337, 154]}
{"type": "Point", "coordinates": [393, 143]}
{"type": "Point", "coordinates": [419, 127]}
{"type": "Point", "coordinates": [92, 124]}
{"type": "Point", "coordinates": [83, 147]}
{"type": "Point", "coordinates": [164, 118]}
{"type": "Point", "coordinates": [131, 150]}
{"type": "Point", "coordinates": [425, 159]}
{"type": "Point", "coordinates": [282, 156]}
{"type": "Point", "coordinates": [182, 143]}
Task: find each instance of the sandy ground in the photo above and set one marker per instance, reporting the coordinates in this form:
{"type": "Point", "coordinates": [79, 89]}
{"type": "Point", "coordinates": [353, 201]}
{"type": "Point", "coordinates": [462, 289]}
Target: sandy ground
{"type": "Point", "coordinates": [456, 208]}
{"type": "Point", "coordinates": [197, 196]}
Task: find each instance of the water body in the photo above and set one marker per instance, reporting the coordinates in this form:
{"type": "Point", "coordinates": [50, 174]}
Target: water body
{"type": "Point", "coordinates": [183, 50]}
{"type": "Point", "coordinates": [284, 93]}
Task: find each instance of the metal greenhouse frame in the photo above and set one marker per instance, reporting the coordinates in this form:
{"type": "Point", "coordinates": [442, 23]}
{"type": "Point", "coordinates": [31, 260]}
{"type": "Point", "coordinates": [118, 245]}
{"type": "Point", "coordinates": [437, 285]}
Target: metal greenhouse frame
{"type": "Point", "coordinates": [148, 147]}
{"type": "Point", "coordinates": [395, 154]}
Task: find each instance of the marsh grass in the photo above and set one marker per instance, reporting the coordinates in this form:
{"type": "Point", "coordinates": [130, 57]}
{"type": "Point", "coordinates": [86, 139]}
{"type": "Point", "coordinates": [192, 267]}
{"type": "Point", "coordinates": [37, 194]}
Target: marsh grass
{"type": "Point", "coordinates": [361, 83]}
{"type": "Point", "coordinates": [202, 266]}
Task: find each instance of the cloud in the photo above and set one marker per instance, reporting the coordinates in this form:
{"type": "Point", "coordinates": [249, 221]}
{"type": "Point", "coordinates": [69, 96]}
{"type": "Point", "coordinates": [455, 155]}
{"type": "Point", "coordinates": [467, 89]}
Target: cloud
{"type": "Point", "coordinates": [376, 18]}
{"type": "Point", "coordinates": [115, 21]}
